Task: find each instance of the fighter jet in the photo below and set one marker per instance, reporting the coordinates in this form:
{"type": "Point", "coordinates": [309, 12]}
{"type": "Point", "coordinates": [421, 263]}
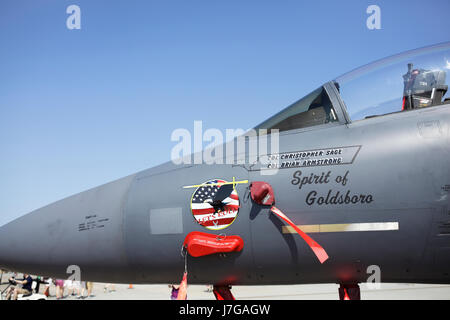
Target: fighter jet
{"type": "Point", "coordinates": [360, 178]}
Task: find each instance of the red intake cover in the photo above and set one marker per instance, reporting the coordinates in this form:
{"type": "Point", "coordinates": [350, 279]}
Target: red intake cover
{"type": "Point", "coordinates": [262, 193]}
{"type": "Point", "coordinates": [202, 244]}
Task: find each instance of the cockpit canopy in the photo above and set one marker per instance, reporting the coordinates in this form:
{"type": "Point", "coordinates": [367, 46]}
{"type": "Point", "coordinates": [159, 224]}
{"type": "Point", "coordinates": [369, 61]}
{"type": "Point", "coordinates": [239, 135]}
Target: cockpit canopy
{"type": "Point", "coordinates": [407, 81]}
{"type": "Point", "coordinates": [410, 80]}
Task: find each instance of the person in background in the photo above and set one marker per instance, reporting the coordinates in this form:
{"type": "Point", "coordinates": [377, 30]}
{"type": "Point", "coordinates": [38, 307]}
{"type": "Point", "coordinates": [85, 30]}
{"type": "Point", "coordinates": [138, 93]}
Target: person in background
{"type": "Point", "coordinates": [109, 286]}
{"type": "Point", "coordinates": [68, 285]}
{"type": "Point", "coordinates": [209, 288]}
{"type": "Point", "coordinates": [78, 287]}
{"type": "Point", "coordinates": [48, 282]}
{"type": "Point", "coordinates": [15, 290]}
{"type": "Point", "coordinates": [59, 289]}
{"type": "Point", "coordinates": [39, 280]}
{"type": "Point", "coordinates": [174, 291]}
{"type": "Point", "coordinates": [89, 287]}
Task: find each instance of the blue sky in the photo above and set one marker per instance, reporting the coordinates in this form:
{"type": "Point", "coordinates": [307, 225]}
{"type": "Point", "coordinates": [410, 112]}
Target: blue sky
{"type": "Point", "coordinates": [79, 108]}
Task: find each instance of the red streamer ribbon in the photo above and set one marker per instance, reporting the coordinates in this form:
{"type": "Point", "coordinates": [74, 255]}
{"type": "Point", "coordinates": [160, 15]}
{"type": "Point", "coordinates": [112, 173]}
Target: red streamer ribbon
{"type": "Point", "coordinates": [315, 247]}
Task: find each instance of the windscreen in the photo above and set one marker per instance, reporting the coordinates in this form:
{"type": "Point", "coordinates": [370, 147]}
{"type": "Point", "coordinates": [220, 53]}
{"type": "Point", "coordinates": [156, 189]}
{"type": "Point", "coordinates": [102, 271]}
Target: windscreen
{"type": "Point", "coordinates": [313, 109]}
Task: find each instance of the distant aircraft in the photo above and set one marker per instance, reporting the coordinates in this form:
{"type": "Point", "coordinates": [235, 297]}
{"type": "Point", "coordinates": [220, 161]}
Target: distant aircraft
{"type": "Point", "coordinates": [363, 175]}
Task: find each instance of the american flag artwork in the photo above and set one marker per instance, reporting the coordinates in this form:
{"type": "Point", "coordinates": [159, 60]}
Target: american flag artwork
{"type": "Point", "coordinates": [215, 206]}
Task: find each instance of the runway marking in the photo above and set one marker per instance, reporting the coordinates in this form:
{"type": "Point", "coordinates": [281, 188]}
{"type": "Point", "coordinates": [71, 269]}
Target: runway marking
{"type": "Point", "coordinates": [344, 227]}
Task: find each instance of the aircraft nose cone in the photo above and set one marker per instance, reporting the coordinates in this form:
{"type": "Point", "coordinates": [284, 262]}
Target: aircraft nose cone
{"type": "Point", "coordinates": [84, 230]}
{"type": "Point", "coordinates": [37, 240]}
{"type": "Point", "coordinates": [15, 247]}
{"type": "Point", "coordinates": [4, 250]}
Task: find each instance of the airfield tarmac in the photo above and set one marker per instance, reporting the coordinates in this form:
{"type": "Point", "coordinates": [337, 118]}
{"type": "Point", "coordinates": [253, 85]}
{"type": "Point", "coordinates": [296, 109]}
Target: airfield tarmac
{"type": "Point", "coordinates": [285, 292]}
{"type": "Point", "coordinates": [386, 291]}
